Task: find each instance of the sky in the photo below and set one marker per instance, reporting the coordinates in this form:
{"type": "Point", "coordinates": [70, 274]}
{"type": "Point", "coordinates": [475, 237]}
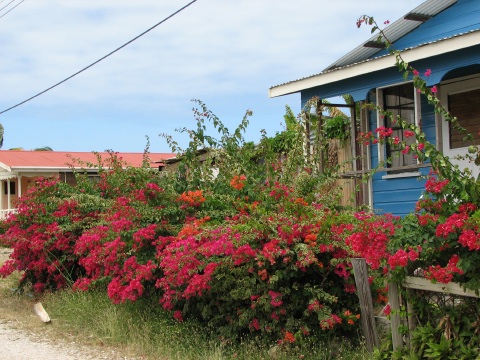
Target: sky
{"type": "Point", "coordinates": [226, 53]}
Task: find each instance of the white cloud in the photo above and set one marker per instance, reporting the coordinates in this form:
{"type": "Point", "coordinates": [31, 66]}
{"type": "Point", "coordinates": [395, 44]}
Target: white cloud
{"type": "Point", "coordinates": [229, 52]}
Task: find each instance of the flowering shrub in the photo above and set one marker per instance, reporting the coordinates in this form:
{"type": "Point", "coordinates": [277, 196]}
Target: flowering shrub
{"type": "Point", "coordinates": [253, 250]}
{"type": "Point", "coordinates": [281, 271]}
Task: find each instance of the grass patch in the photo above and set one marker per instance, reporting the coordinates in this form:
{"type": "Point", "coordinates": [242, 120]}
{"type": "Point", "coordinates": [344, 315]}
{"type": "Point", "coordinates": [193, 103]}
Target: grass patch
{"type": "Point", "coordinates": [144, 329]}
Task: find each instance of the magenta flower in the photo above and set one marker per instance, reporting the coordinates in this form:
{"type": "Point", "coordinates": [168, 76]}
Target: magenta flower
{"type": "Point", "coordinates": [434, 89]}
{"type": "Point", "coordinates": [428, 72]}
{"type": "Point", "coordinates": [416, 73]}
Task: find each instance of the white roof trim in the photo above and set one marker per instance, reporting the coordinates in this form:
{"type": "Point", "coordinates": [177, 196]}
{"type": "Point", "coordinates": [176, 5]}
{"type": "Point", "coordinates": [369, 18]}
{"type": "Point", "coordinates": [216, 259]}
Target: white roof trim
{"type": "Point", "coordinates": [7, 176]}
{"type": "Point", "coordinates": [438, 47]}
{"type": "Point", "coordinates": [5, 167]}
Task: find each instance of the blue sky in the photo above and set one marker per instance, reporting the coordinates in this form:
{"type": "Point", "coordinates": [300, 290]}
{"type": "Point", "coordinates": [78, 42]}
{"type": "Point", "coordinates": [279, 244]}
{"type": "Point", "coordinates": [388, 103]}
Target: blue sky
{"type": "Point", "coordinates": [225, 53]}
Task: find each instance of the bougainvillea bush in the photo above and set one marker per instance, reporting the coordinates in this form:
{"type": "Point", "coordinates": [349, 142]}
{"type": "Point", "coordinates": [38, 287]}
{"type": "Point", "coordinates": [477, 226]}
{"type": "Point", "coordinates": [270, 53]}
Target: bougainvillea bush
{"type": "Point", "coordinates": [256, 250]}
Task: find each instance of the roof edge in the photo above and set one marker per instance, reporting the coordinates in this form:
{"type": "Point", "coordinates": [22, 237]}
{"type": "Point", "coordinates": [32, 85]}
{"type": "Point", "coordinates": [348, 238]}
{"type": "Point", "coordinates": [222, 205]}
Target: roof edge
{"type": "Point", "coordinates": [454, 43]}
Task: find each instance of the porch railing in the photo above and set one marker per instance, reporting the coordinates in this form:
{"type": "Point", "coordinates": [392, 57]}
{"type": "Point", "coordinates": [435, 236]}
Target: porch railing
{"type": "Point", "coordinates": [4, 213]}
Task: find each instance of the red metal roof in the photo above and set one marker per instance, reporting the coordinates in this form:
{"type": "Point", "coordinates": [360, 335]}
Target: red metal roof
{"type": "Point", "coordinates": [16, 159]}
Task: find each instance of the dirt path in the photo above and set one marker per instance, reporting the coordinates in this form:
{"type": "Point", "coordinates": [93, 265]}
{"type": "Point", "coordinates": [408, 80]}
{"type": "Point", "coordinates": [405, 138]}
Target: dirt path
{"type": "Point", "coordinates": [16, 344]}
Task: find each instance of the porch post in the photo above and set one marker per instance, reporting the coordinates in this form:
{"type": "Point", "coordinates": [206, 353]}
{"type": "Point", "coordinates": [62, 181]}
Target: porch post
{"type": "Point", "coordinates": [9, 201]}
{"type": "Point", "coordinates": [1, 194]}
{"type": "Point", "coordinates": [320, 140]}
{"type": "Point", "coordinates": [19, 191]}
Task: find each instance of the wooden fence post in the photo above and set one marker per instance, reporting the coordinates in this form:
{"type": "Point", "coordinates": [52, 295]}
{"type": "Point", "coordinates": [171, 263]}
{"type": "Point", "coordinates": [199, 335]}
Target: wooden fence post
{"type": "Point", "coordinates": [366, 303]}
{"type": "Point", "coordinates": [394, 302]}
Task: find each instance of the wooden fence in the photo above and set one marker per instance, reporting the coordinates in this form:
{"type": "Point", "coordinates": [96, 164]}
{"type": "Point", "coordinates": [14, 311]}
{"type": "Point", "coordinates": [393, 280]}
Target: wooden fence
{"type": "Point", "coordinates": [410, 283]}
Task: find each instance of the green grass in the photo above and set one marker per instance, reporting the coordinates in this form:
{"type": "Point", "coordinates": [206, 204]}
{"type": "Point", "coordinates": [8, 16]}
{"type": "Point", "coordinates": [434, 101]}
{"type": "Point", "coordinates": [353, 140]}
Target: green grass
{"type": "Point", "coordinates": [142, 329]}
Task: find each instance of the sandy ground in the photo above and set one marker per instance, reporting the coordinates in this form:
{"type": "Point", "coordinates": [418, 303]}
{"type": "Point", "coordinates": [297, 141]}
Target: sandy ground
{"type": "Point", "coordinates": [17, 343]}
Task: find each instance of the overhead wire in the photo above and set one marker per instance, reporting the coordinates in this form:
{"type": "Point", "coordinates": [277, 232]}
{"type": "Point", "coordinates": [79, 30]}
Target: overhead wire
{"type": "Point", "coordinates": [6, 5]}
{"type": "Point", "coordinates": [102, 58]}
{"type": "Point", "coordinates": [5, 13]}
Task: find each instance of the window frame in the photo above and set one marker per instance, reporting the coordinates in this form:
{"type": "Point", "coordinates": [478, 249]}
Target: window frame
{"type": "Point", "coordinates": [455, 87]}
{"type": "Point", "coordinates": [8, 183]}
{"type": "Point", "coordinates": [404, 170]}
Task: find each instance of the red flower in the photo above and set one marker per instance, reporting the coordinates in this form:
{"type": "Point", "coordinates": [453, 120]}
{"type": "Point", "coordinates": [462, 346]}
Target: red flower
{"type": "Point", "coordinates": [177, 315]}
{"type": "Point", "coordinates": [238, 182]}
{"type": "Point", "coordinates": [289, 337]}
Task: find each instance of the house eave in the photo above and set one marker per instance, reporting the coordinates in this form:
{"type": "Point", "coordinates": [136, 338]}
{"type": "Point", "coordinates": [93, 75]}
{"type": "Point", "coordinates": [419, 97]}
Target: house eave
{"type": "Point", "coordinates": [413, 54]}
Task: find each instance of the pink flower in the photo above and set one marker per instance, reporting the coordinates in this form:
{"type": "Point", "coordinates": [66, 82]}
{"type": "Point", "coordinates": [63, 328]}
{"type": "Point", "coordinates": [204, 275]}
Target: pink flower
{"type": "Point", "coordinates": [408, 133]}
{"type": "Point", "coordinates": [386, 22]}
{"type": "Point", "coordinates": [415, 73]}
{"type": "Point", "coordinates": [421, 146]}
{"type": "Point", "coordinates": [255, 324]}
{"type": "Point", "coordinates": [428, 72]}
{"type": "Point", "coordinates": [177, 315]}
{"type": "Point", "coordinates": [387, 310]}
{"type": "Point", "coordinates": [434, 89]}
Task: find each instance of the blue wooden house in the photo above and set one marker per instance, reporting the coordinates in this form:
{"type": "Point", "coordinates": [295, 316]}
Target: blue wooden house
{"type": "Point", "coordinates": [441, 35]}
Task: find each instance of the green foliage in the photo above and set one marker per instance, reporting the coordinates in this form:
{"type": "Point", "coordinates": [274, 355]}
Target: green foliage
{"type": "Point", "coordinates": [337, 127]}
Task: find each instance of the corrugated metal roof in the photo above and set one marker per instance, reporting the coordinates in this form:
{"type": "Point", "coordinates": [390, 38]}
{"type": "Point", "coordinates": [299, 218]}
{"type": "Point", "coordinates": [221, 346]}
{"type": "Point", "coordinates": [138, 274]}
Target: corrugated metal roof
{"type": "Point", "coordinates": [375, 58]}
{"type": "Point", "coordinates": [393, 32]}
{"type": "Point", "coordinates": [16, 159]}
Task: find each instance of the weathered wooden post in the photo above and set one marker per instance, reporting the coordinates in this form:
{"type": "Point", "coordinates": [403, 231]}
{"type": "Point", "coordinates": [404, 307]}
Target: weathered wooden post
{"type": "Point", "coordinates": [366, 304]}
{"type": "Point", "coordinates": [394, 302]}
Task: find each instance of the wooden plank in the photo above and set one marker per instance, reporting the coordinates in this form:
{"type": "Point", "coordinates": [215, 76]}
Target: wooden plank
{"type": "Point", "coordinates": [394, 302]}
{"type": "Point", "coordinates": [366, 304]}
{"type": "Point", "coordinates": [420, 283]}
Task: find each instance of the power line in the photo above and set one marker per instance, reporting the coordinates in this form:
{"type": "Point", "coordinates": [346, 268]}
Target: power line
{"type": "Point", "coordinates": [6, 5]}
{"type": "Point", "coordinates": [11, 9]}
{"type": "Point", "coordinates": [102, 58]}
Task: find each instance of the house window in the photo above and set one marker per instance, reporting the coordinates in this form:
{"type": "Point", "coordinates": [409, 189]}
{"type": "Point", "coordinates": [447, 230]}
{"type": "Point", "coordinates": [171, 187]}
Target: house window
{"type": "Point", "coordinates": [465, 106]}
{"type": "Point", "coordinates": [12, 187]}
{"type": "Point", "coordinates": [400, 100]}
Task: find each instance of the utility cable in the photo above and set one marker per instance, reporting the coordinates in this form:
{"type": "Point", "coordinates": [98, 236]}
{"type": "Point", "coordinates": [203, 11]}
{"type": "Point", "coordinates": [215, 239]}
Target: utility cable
{"type": "Point", "coordinates": [102, 58]}
{"type": "Point", "coordinates": [6, 5]}
{"type": "Point", "coordinates": [11, 9]}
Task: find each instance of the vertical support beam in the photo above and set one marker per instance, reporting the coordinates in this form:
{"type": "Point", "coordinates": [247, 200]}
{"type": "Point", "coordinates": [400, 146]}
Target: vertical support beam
{"type": "Point", "coordinates": [1, 195]}
{"type": "Point", "coordinates": [320, 140]}
{"type": "Point", "coordinates": [412, 323]}
{"type": "Point", "coordinates": [19, 185]}
{"type": "Point", "coordinates": [393, 299]}
{"type": "Point", "coordinates": [366, 303]}
{"type": "Point", "coordinates": [366, 164]}
{"type": "Point", "coordinates": [9, 200]}
{"type": "Point", "coordinates": [308, 120]}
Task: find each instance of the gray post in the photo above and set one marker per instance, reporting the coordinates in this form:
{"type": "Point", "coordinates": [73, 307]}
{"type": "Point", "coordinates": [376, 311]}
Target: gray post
{"type": "Point", "coordinates": [366, 303]}
{"type": "Point", "coordinates": [393, 300]}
